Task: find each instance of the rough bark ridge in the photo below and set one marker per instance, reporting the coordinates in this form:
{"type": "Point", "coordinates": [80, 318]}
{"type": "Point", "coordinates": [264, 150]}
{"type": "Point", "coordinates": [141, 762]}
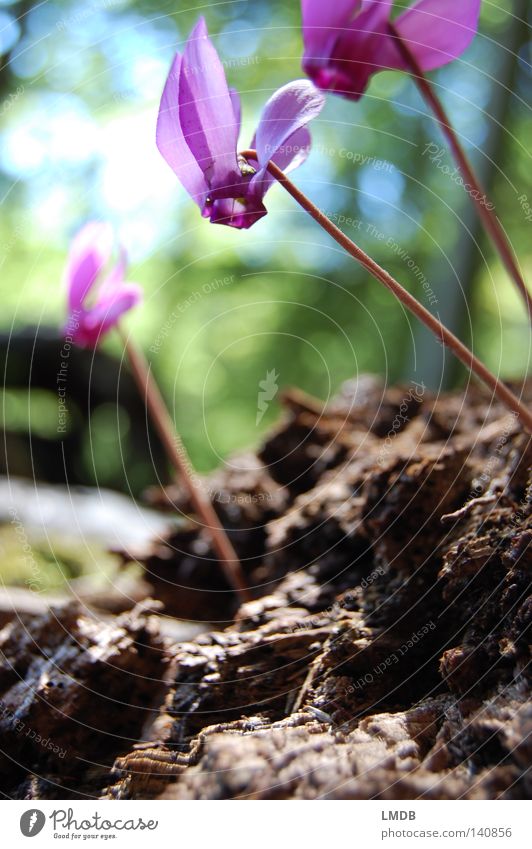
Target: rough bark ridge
{"type": "Point", "coordinates": [385, 654]}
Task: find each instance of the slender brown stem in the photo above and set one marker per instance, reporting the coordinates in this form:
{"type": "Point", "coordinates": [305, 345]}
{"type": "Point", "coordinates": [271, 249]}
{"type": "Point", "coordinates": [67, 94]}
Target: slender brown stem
{"type": "Point", "coordinates": [485, 209]}
{"type": "Point", "coordinates": [177, 455]}
{"type": "Point", "coordinates": [440, 331]}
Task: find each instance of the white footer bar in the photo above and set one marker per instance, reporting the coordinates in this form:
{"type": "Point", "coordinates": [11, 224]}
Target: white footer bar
{"type": "Point", "coordinates": [267, 825]}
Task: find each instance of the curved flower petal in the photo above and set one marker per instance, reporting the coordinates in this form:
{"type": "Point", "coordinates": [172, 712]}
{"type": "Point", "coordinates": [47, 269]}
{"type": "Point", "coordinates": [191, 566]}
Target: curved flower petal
{"type": "Point", "coordinates": [373, 17]}
{"type": "Point", "coordinates": [324, 22]}
{"type": "Point", "coordinates": [237, 108]}
{"type": "Point", "coordinates": [288, 110]}
{"type": "Point", "coordinates": [317, 13]}
{"type": "Point", "coordinates": [105, 314]}
{"type": "Point", "coordinates": [115, 277]}
{"type": "Point", "coordinates": [361, 47]}
{"type": "Point", "coordinates": [294, 151]}
{"type": "Point", "coordinates": [71, 327]}
{"type": "Point", "coordinates": [238, 212]}
{"type": "Point", "coordinates": [438, 31]}
{"type": "Point", "coordinates": [171, 141]}
{"type": "Point", "coordinates": [290, 156]}
{"type": "Point", "coordinates": [90, 251]}
{"type": "Point", "coordinates": [206, 110]}
{"type": "Point", "coordinates": [321, 19]}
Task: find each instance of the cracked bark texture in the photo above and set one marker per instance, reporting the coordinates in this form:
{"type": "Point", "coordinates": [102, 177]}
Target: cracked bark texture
{"type": "Point", "coordinates": [385, 654]}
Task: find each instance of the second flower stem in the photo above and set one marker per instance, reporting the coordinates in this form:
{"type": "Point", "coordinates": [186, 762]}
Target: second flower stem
{"type": "Point", "coordinates": [176, 453]}
{"type": "Point", "coordinates": [486, 214]}
{"type": "Point", "coordinates": [499, 389]}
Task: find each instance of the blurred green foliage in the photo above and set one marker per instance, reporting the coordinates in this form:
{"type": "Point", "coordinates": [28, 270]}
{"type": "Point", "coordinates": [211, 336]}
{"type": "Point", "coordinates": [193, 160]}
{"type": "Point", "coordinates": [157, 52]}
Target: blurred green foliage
{"type": "Point", "coordinates": [46, 564]}
{"type": "Point", "coordinates": [79, 90]}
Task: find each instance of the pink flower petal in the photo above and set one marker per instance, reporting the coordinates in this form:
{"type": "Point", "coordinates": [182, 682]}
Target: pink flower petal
{"type": "Point", "coordinates": [105, 314]}
{"type": "Point", "coordinates": [171, 141]}
{"type": "Point", "coordinates": [360, 48]}
{"type": "Point", "coordinates": [237, 108]}
{"type": "Point", "coordinates": [438, 31]}
{"type": "Point", "coordinates": [289, 109]}
{"type": "Point", "coordinates": [317, 13]}
{"type": "Point", "coordinates": [115, 277]}
{"type": "Point", "coordinates": [294, 151]}
{"type": "Point", "coordinates": [321, 20]}
{"type": "Point", "coordinates": [206, 110]}
{"type": "Point", "coordinates": [90, 251]}
{"type": "Point", "coordinates": [289, 157]}
{"type": "Point", "coordinates": [240, 213]}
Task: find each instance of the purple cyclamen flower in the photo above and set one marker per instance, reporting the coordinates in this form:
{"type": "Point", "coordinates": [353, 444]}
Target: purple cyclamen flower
{"type": "Point", "coordinates": [198, 128]}
{"type": "Point", "coordinates": [348, 41]}
{"type": "Point", "coordinates": [95, 300]}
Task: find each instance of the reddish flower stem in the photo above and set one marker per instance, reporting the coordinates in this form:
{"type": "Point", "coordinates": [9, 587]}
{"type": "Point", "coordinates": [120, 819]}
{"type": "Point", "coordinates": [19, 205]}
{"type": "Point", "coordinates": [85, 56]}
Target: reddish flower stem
{"type": "Point", "coordinates": [178, 457]}
{"type": "Point", "coordinates": [460, 350]}
{"type": "Point", "coordinates": [486, 214]}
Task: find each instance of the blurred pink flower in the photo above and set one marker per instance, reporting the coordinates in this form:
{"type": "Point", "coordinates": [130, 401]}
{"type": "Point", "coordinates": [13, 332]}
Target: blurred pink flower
{"type": "Point", "coordinates": [96, 300]}
{"type": "Point", "coordinates": [347, 41]}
